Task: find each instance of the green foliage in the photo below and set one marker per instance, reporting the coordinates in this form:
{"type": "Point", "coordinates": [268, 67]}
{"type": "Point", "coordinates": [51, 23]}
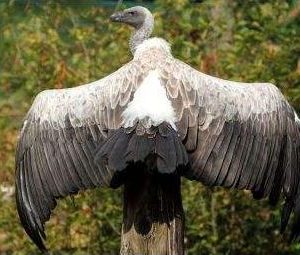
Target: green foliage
{"type": "Point", "coordinates": [60, 45]}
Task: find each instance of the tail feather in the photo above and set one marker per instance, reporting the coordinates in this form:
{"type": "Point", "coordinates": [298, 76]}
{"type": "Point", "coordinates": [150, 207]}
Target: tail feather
{"type": "Point", "coordinates": [165, 149]}
{"type": "Point", "coordinates": [163, 145]}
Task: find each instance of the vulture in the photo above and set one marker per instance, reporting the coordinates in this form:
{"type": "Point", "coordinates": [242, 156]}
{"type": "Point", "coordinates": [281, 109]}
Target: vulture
{"type": "Point", "coordinates": [143, 127]}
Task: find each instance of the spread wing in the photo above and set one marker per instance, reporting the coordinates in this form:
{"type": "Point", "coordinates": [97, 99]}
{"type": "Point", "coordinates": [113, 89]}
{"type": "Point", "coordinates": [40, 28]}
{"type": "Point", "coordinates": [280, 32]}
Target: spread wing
{"type": "Point", "coordinates": [238, 135]}
{"type": "Point", "coordinates": [56, 146]}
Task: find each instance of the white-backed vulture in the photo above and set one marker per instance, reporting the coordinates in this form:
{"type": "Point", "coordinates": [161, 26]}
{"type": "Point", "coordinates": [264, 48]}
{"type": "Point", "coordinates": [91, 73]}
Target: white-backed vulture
{"type": "Point", "coordinates": [161, 112]}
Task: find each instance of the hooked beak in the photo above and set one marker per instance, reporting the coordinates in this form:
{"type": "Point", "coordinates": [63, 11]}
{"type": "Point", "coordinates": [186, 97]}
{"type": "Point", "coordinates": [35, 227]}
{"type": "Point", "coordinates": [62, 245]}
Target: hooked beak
{"type": "Point", "coordinates": [117, 17]}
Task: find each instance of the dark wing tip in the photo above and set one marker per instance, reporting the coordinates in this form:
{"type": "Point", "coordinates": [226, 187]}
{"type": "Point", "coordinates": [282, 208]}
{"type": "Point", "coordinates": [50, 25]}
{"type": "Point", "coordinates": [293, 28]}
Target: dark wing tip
{"type": "Point", "coordinates": [30, 225]}
{"type": "Point", "coordinates": [295, 230]}
{"type": "Point", "coordinates": [28, 215]}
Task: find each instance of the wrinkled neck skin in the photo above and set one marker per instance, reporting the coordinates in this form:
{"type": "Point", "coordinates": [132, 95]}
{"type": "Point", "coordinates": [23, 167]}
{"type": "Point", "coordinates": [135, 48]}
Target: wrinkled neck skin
{"type": "Point", "coordinates": [142, 33]}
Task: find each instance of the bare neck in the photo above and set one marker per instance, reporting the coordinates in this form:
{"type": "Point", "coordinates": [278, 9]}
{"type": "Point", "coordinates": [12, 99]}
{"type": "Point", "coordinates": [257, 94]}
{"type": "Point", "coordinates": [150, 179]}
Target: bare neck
{"type": "Point", "coordinates": [142, 33]}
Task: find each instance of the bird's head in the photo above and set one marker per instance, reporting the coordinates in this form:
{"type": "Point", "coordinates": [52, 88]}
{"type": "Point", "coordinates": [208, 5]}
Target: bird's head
{"type": "Point", "coordinates": [134, 16]}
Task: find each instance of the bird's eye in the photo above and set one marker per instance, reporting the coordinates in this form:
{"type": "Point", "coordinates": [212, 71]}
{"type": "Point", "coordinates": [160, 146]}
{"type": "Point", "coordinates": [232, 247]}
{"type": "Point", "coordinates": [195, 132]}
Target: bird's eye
{"type": "Point", "coordinates": [132, 13]}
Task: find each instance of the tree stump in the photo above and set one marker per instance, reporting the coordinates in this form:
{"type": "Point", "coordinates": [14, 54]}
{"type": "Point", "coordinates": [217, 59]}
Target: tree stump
{"type": "Point", "coordinates": [153, 222]}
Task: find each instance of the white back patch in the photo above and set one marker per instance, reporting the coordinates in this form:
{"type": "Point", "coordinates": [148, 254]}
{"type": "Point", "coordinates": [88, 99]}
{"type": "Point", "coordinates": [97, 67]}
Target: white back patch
{"type": "Point", "coordinates": [150, 102]}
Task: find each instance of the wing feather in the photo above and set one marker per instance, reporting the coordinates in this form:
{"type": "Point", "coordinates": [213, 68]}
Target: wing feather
{"type": "Point", "coordinates": [238, 135]}
{"type": "Point", "coordinates": [58, 141]}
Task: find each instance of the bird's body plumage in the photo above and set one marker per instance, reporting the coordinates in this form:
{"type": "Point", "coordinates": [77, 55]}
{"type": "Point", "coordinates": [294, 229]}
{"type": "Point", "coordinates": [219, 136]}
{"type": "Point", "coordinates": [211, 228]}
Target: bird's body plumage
{"type": "Point", "coordinates": [222, 133]}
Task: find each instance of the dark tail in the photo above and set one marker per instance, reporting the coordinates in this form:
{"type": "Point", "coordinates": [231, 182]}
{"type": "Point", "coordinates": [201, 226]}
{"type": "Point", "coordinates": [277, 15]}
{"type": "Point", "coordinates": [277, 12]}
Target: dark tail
{"type": "Point", "coordinates": [160, 146]}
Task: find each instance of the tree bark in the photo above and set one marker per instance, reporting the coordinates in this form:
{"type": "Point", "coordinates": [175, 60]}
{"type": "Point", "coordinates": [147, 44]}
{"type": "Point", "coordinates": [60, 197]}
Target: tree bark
{"type": "Point", "coordinates": [153, 222]}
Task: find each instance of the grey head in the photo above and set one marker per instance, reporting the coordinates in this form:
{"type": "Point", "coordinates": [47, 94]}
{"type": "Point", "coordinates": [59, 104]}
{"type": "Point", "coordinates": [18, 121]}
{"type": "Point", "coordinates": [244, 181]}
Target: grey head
{"type": "Point", "coordinates": [138, 17]}
{"type": "Point", "coordinates": [135, 16]}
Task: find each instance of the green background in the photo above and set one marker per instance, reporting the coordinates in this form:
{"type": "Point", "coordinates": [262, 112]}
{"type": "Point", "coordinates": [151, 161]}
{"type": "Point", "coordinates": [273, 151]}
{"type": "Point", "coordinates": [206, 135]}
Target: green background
{"type": "Point", "coordinates": [47, 44]}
